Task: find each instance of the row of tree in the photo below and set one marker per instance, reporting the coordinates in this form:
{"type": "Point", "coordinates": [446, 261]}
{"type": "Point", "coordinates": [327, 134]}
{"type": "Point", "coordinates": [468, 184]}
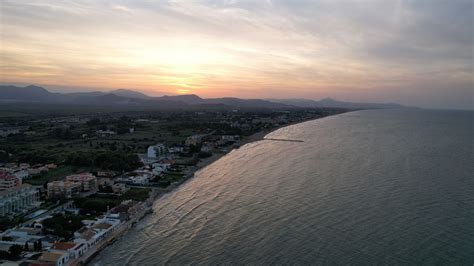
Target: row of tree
{"type": "Point", "coordinates": [107, 160]}
{"type": "Point", "coordinates": [15, 250]}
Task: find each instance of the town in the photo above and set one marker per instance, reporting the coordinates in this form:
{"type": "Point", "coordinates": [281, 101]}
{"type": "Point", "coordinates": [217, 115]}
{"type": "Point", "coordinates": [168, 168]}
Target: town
{"type": "Point", "coordinates": [72, 184]}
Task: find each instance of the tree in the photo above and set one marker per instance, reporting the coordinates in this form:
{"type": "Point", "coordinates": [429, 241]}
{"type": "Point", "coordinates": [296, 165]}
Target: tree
{"type": "Point", "coordinates": [15, 250]}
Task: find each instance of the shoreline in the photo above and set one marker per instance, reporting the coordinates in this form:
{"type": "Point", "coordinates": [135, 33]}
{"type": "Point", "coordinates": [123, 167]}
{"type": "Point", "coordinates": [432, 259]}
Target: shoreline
{"type": "Point", "coordinates": [157, 193]}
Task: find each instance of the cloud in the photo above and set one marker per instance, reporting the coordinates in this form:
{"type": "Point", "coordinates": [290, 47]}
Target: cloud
{"type": "Point", "coordinates": [245, 48]}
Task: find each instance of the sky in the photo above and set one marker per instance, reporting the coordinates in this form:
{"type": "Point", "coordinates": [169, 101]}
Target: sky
{"type": "Point", "coordinates": [411, 52]}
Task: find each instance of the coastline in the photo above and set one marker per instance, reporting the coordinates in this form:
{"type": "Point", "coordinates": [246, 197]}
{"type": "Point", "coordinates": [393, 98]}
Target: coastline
{"type": "Point", "coordinates": [157, 193]}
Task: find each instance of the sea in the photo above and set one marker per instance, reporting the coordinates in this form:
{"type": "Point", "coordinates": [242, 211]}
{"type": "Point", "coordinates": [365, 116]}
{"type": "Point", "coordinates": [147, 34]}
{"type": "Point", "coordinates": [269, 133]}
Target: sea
{"type": "Point", "coordinates": [366, 187]}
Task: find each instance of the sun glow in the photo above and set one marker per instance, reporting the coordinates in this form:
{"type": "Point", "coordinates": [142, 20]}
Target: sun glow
{"type": "Point", "coordinates": [183, 91]}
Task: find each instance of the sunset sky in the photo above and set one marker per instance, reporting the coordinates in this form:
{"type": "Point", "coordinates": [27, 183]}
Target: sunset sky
{"type": "Point", "coordinates": [411, 52]}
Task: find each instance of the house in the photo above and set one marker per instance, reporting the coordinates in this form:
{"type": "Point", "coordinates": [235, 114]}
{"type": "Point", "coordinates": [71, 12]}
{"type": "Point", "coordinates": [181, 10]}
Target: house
{"type": "Point", "coordinates": [140, 180]}
{"type": "Point", "coordinates": [158, 168]}
{"type": "Point", "coordinates": [22, 236]}
{"type": "Point", "coordinates": [126, 209]}
{"type": "Point", "coordinates": [5, 132]}
{"type": "Point", "coordinates": [207, 146]}
{"type": "Point", "coordinates": [103, 133]}
{"type": "Point", "coordinates": [176, 149]}
{"type": "Point", "coordinates": [156, 151]}
{"type": "Point", "coordinates": [194, 140]}
{"type": "Point", "coordinates": [93, 233]}
{"type": "Point", "coordinates": [74, 250]}
{"type": "Point", "coordinates": [107, 182]}
{"type": "Point", "coordinates": [51, 166]}
{"type": "Point", "coordinates": [108, 174]}
{"type": "Point", "coordinates": [37, 170]}
{"type": "Point", "coordinates": [58, 258]}
{"type": "Point", "coordinates": [120, 188]}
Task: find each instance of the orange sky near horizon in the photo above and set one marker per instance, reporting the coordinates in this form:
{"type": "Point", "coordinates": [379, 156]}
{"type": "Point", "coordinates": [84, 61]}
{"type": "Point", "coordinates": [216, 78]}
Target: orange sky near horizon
{"type": "Point", "coordinates": [394, 51]}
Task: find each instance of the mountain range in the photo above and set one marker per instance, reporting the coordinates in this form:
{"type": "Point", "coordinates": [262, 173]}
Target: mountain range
{"type": "Point", "coordinates": [124, 97]}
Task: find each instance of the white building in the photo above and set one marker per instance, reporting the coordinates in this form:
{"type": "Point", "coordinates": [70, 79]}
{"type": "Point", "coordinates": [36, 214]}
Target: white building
{"type": "Point", "coordinates": [93, 233]}
{"type": "Point", "coordinates": [18, 199]}
{"type": "Point", "coordinates": [5, 132]}
{"type": "Point", "coordinates": [158, 168]}
{"type": "Point", "coordinates": [156, 151]}
{"type": "Point", "coordinates": [140, 180]}
{"type": "Point", "coordinates": [21, 174]}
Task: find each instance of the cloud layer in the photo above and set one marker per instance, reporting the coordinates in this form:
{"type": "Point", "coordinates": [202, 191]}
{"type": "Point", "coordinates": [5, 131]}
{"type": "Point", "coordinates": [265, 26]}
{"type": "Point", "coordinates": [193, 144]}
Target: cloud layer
{"type": "Point", "coordinates": [414, 52]}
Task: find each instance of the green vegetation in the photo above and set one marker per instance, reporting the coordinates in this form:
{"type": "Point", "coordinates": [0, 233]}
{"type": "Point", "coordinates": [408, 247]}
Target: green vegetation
{"type": "Point", "coordinates": [6, 223]}
{"type": "Point", "coordinates": [107, 160]}
{"type": "Point", "coordinates": [98, 204]}
{"type": "Point", "coordinates": [168, 178]}
{"type": "Point", "coordinates": [138, 194]}
{"type": "Point", "coordinates": [63, 225]}
{"type": "Point", "coordinates": [13, 253]}
{"type": "Point", "coordinates": [95, 205]}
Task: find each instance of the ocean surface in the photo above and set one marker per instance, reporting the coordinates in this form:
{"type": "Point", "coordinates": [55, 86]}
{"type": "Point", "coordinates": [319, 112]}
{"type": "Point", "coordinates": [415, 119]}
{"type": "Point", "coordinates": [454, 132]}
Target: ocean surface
{"type": "Point", "coordinates": [366, 187]}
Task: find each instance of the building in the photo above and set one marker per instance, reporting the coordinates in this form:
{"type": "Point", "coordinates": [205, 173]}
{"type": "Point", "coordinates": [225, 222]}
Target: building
{"type": "Point", "coordinates": [156, 151]}
{"type": "Point", "coordinates": [88, 181]}
{"type": "Point", "coordinates": [140, 180]}
{"type": "Point", "coordinates": [21, 174]}
{"type": "Point", "coordinates": [120, 188]}
{"type": "Point", "coordinates": [8, 181]}
{"type": "Point", "coordinates": [5, 132]}
{"type": "Point", "coordinates": [18, 199]}
{"type": "Point", "coordinates": [194, 140]}
{"type": "Point", "coordinates": [74, 250]}
{"type": "Point", "coordinates": [176, 149]}
{"type": "Point", "coordinates": [57, 258]}
{"type": "Point", "coordinates": [104, 133]}
{"type": "Point", "coordinates": [105, 182]}
{"type": "Point", "coordinates": [65, 189]}
{"type": "Point", "coordinates": [90, 235]}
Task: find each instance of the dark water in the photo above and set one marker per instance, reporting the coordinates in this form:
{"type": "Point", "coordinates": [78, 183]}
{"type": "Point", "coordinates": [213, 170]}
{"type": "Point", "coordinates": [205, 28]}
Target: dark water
{"type": "Point", "coordinates": [367, 187]}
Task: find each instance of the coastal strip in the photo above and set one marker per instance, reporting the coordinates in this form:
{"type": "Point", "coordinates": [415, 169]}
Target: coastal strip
{"type": "Point", "coordinates": [158, 193]}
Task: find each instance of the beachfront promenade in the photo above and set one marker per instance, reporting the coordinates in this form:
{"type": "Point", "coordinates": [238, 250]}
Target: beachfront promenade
{"type": "Point", "coordinates": [122, 229]}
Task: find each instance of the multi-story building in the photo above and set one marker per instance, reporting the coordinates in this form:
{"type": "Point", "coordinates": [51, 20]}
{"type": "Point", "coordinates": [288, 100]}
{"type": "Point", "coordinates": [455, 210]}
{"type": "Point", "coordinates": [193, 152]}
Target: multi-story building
{"type": "Point", "coordinates": [65, 189]}
{"type": "Point", "coordinates": [18, 199]}
{"type": "Point", "coordinates": [156, 151]}
{"type": "Point", "coordinates": [87, 181]}
{"type": "Point", "coordinates": [8, 181]}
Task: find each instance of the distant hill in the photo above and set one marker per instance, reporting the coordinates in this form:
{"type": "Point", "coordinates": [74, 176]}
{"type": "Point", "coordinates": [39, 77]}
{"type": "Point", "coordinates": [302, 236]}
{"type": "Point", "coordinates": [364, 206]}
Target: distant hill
{"type": "Point", "coordinates": [130, 94]}
{"type": "Point", "coordinates": [28, 93]}
{"type": "Point", "coordinates": [123, 97]}
{"type": "Point", "coordinates": [247, 103]}
{"type": "Point", "coordinates": [328, 102]}
{"type": "Point", "coordinates": [187, 98]}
